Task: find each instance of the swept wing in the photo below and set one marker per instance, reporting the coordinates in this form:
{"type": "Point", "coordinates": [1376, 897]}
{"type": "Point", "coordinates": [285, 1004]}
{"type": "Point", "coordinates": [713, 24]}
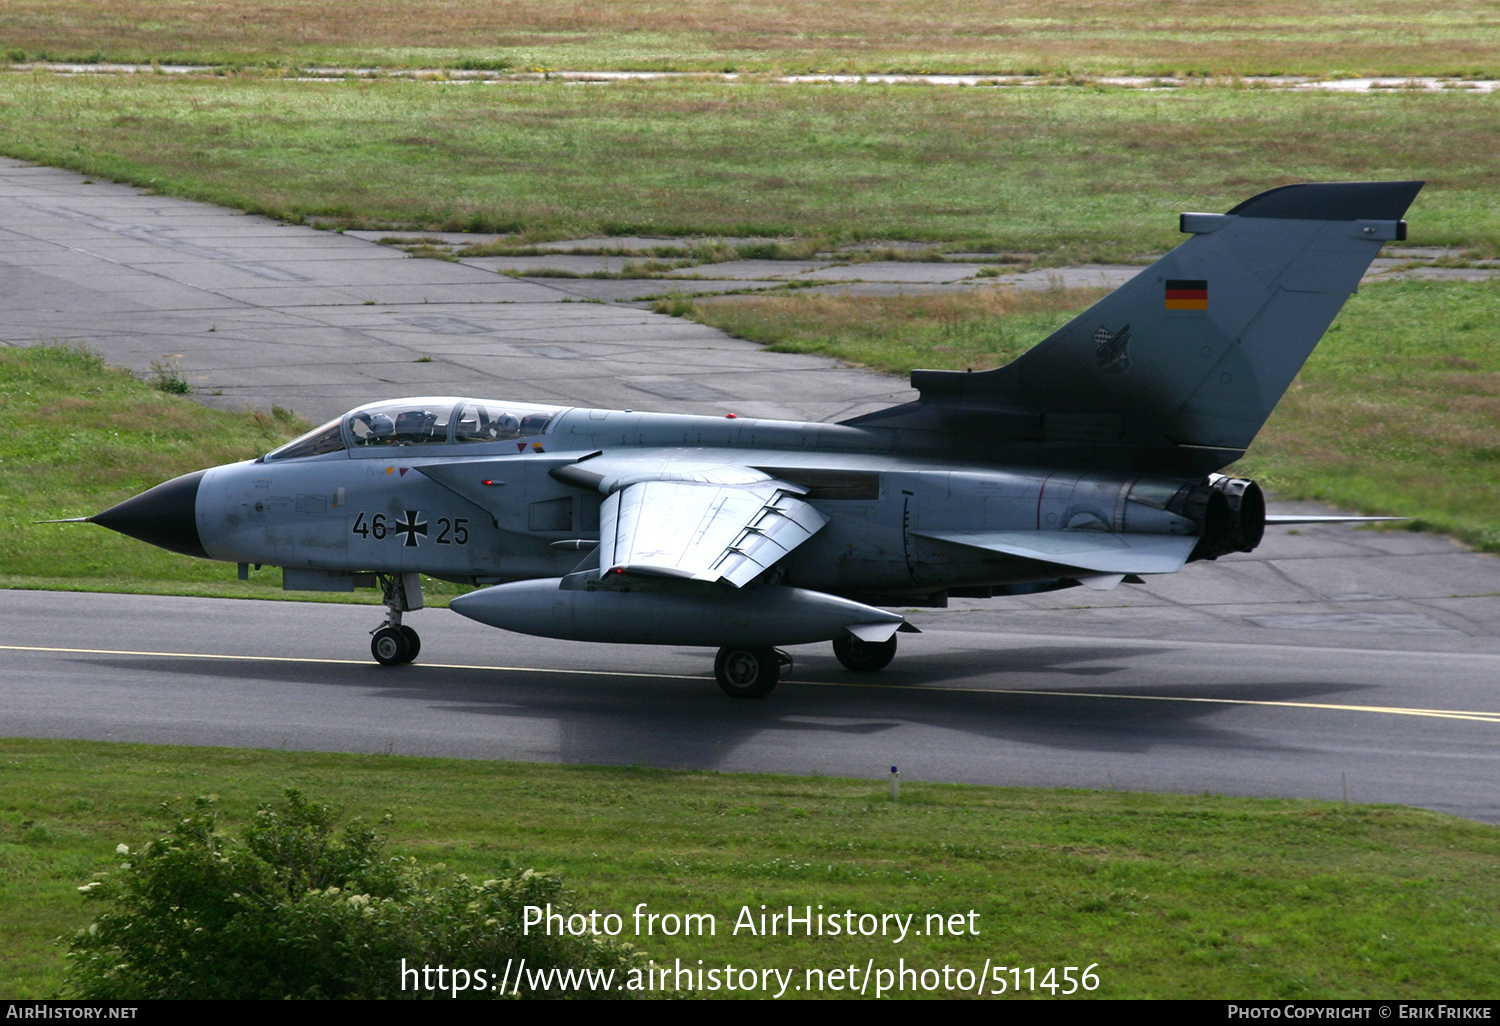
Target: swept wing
{"type": "Point", "coordinates": [703, 531]}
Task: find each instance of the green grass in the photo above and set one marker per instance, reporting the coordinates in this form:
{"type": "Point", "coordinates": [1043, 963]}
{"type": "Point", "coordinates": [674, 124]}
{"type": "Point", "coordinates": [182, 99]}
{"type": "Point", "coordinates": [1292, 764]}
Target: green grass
{"type": "Point", "coordinates": [1397, 411]}
{"type": "Point", "coordinates": [1173, 896]}
{"type": "Point", "coordinates": [81, 437]}
{"type": "Point", "coordinates": [975, 329]}
{"type": "Point", "coordinates": [1066, 173]}
{"type": "Point", "coordinates": [1392, 37]}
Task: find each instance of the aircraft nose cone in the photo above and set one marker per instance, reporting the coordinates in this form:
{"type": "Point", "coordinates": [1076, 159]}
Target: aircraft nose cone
{"type": "Point", "coordinates": [164, 516]}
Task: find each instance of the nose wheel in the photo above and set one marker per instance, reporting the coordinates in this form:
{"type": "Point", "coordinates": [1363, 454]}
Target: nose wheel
{"type": "Point", "coordinates": [392, 646]}
{"type": "Point", "coordinates": [394, 643]}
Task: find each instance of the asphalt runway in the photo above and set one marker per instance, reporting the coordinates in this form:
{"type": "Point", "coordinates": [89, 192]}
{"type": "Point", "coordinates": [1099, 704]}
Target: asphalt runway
{"type": "Point", "coordinates": [1333, 659]}
{"type": "Point", "coordinates": [1391, 723]}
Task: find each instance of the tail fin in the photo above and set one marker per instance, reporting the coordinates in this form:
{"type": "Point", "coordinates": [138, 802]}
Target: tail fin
{"type": "Point", "coordinates": [1198, 348]}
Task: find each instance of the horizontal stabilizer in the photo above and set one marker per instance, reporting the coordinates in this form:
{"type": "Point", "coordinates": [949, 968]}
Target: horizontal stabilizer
{"type": "Point", "coordinates": [1099, 551]}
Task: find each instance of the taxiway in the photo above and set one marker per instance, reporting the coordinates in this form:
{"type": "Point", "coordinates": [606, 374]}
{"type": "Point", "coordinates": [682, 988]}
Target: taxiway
{"type": "Point", "coordinates": [1332, 661]}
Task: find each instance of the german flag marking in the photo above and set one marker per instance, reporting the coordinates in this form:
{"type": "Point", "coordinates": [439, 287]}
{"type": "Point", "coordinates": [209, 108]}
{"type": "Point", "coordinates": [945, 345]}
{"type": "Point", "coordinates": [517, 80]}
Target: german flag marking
{"type": "Point", "coordinates": [1187, 294]}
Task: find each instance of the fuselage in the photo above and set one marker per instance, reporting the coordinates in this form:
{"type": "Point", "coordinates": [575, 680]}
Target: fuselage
{"type": "Point", "coordinates": [446, 499]}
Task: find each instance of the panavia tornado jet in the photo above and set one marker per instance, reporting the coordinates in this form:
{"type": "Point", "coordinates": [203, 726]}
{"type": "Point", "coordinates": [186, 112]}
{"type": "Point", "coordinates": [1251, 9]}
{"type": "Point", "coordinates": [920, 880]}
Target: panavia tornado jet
{"type": "Point", "coordinates": [1091, 460]}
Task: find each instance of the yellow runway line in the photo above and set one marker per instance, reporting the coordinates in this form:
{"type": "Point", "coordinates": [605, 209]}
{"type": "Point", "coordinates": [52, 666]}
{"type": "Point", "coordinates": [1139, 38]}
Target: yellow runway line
{"type": "Point", "coordinates": [1447, 714]}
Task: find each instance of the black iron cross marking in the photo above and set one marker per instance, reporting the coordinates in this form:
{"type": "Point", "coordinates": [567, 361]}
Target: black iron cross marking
{"type": "Point", "coordinates": [412, 527]}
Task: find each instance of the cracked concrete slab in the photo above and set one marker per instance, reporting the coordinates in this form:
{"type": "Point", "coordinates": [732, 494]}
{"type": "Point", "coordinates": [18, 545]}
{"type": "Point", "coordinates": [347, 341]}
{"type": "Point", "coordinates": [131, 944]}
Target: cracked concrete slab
{"type": "Point", "coordinates": [629, 290]}
{"type": "Point", "coordinates": [917, 273]}
{"type": "Point", "coordinates": [561, 262]}
{"type": "Point", "coordinates": [752, 270]}
{"type": "Point", "coordinates": [258, 313]}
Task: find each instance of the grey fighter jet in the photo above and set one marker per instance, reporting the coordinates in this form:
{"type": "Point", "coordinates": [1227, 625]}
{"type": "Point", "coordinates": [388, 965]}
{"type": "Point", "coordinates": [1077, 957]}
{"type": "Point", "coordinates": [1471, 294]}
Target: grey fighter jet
{"type": "Point", "coordinates": [1091, 460]}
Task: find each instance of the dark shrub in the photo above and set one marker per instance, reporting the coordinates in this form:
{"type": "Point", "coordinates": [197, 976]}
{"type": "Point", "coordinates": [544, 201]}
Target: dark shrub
{"type": "Point", "coordinates": [295, 911]}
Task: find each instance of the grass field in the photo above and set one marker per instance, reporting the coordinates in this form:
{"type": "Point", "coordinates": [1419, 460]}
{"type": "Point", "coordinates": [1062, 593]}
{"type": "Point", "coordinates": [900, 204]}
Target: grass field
{"type": "Point", "coordinates": [1399, 408]}
{"type": "Point", "coordinates": [1320, 37]}
{"type": "Point", "coordinates": [1069, 174]}
{"type": "Point", "coordinates": [1172, 896]}
{"type": "Point", "coordinates": [81, 437]}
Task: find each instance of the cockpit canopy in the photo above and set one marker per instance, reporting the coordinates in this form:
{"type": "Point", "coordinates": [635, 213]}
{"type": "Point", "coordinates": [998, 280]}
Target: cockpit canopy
{"type": "Point", "coordinates": [440, 420]}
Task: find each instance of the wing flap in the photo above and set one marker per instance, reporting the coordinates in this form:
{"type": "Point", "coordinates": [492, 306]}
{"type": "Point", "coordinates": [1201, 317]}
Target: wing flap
{"type": "Point", "coordinates": [703, 531]}
{"type": "Point", "coordinates": [1102, 552]}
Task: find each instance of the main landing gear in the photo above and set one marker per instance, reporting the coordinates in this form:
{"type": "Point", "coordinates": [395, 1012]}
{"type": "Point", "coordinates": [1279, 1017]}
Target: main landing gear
{"type": "Point", "coordinates": [749, 672]}
{"type": "Point", "coordinates": [394, 643]}
{"type": "Point", "coordinates": [864, 656]}
{"type": "Point", "coordinates": [754, 672]}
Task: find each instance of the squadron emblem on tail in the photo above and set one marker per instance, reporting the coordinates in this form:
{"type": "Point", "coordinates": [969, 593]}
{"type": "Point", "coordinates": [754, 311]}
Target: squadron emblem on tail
{"type": "Point", "coordinates": [1110, 348]}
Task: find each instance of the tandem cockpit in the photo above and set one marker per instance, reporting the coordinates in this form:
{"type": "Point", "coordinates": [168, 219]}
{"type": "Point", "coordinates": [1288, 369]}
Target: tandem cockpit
{"type": "Point", "coordinates": [487, 426]}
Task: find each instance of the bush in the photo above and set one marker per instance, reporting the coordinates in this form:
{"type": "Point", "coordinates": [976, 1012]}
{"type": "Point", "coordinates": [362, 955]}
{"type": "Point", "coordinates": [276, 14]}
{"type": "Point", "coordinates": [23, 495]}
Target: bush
{"type": "Point", "coordinates": [295, 911]}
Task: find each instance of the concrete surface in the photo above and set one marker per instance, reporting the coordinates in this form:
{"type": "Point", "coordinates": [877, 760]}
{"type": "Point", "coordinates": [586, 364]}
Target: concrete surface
{"type": "Point", "coordinates": [254, 313]}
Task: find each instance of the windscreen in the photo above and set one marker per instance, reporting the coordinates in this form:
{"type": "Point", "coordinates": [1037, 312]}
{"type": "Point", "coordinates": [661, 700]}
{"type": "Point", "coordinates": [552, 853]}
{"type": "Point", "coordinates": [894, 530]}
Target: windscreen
{"type": "Point", "coordinates": [316, 442]}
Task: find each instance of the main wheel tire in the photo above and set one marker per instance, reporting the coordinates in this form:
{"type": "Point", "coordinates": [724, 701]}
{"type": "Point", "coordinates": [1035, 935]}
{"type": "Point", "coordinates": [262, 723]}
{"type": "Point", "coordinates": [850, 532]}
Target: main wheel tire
{"type": "Point", "coordinates": [390, 647]}
{"type": "Point", "coordinates": [413, 640]}
{"type": "Point", "coordinates": [864, 656]}
{"type": "Point", "coordinates": [747, 672]}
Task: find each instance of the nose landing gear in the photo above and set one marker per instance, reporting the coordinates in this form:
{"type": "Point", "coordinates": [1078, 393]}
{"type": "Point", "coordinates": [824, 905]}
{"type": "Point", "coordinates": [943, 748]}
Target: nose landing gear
{"type": "Point", "coordinates": [394, 643]}
{"type": "Point", "coordinates": [392, 646]}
